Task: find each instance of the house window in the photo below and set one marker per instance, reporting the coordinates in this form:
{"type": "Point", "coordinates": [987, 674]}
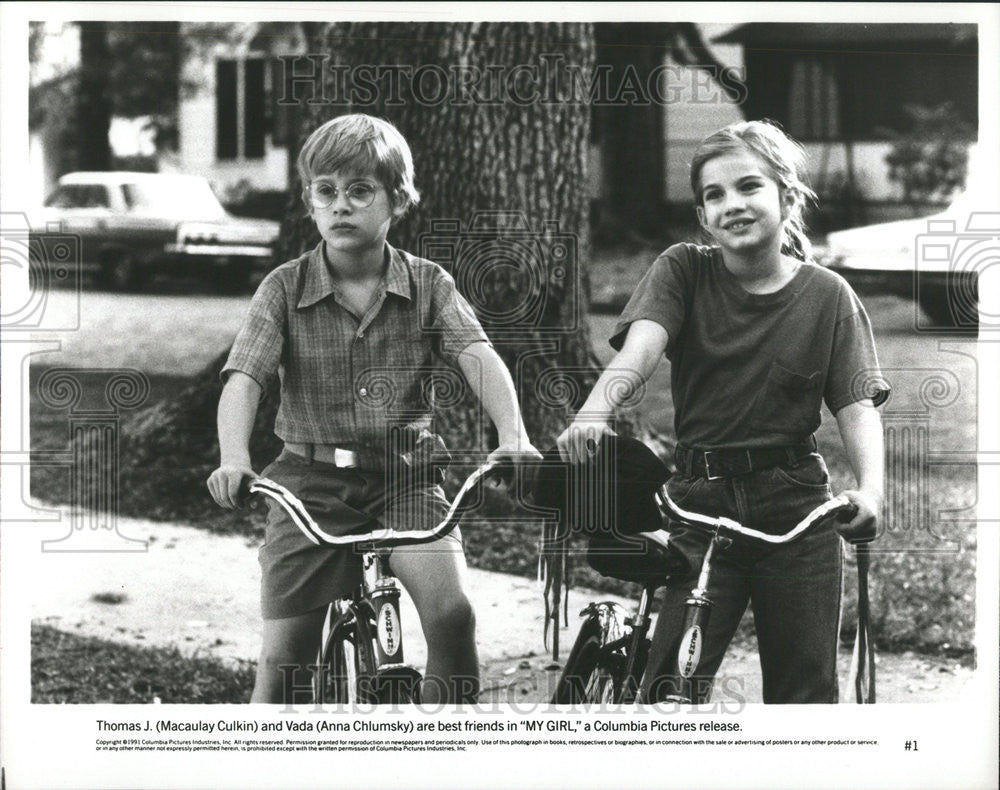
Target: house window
{"type": "Point", "coordinates": [814, 101]}
{"type": "Point", "coordinates": [882, 86]}
{"type": "Point", "coordinates": [860, 95]}
{"type": "Point", "coordinates": [240, 115]}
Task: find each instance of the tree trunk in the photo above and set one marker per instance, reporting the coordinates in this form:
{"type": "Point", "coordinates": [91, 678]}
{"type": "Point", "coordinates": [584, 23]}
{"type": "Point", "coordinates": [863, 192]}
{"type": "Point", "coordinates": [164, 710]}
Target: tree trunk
{"type": "Point", "coordinates": [94, 101]}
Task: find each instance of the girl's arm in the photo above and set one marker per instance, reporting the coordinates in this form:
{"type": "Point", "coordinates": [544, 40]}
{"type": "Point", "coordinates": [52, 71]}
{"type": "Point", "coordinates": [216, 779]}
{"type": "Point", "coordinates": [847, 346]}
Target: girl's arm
{"type": "Point", "coordinates": [861, 431]}
{"type": "Point", "coordinates": [237, 411]}
{"type": "Point", "coordinates": [490, 380]}
{"type": "Point", "coordinates": [632, 366]}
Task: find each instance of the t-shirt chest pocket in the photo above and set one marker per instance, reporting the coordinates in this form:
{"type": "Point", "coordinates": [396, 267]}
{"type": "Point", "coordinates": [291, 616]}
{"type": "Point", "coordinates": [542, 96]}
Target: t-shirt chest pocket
{"type": "Point", "coordinates": [789, 402]}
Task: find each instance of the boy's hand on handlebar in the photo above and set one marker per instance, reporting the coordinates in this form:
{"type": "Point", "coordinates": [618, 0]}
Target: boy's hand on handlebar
{"type": "Point", "coordinates": [862, 527]}
{"type": "Point", "coordinates": [225, 482]}
{"type": "Point", "coordinates": [507, 455]}
{"type": "Point", "coordinates": [519, 452]}
{"type": "Point", "coordinates": [581, 439]}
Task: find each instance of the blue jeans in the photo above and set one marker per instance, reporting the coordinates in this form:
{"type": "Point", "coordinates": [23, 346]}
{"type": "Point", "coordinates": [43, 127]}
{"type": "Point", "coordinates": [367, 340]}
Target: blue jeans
{"type": "Point", "coordinates": [794, 589]}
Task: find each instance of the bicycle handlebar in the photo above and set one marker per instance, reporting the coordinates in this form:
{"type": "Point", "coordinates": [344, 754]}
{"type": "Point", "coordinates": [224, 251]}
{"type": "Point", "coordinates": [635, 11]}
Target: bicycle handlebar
{"type": "Point", "coordinates": [389, 537]}
{"type": "Point", "coordinates": [839, 506]}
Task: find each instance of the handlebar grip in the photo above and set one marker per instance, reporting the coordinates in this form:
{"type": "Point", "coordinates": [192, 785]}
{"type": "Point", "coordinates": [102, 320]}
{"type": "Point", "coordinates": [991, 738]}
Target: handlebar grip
{"type": "Point", "coordinates": [845, 515]}
{"type": "Point", "coordinates": [502, 471]}
{"type": "Point", "coordinates": [244, 493]}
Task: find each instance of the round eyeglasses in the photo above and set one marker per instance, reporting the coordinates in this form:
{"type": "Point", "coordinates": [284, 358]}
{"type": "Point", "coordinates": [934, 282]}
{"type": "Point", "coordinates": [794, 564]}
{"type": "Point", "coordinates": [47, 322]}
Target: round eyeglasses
{"type": "Point", "coordinates": [360, 194]}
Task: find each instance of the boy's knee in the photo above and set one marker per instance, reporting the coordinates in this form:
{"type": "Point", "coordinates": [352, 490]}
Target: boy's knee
{"type": "Point", "coordinates": [284, 654]}
{"type": "Point", "coordinates": [452, 616]}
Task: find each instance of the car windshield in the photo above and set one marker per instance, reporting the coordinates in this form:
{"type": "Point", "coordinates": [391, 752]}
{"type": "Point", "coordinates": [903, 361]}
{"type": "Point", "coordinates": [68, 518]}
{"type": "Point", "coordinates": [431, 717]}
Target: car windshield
{"type": "Point", "coordinates": [188, 198]}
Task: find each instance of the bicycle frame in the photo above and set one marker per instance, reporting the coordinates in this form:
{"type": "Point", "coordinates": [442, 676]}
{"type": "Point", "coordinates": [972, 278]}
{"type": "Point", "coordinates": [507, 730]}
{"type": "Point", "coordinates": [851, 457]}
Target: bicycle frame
{"type": "Point", "coordinates": [603, 647]}
{"type": "Point", "coordinates": [368, 624]}
{"type": "Point", "coordinates": [685, 654]}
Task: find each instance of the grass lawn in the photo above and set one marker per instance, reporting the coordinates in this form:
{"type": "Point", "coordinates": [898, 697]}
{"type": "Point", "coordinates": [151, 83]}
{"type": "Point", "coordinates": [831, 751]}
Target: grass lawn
{"type": "Point", "coordinates": [66, 668]}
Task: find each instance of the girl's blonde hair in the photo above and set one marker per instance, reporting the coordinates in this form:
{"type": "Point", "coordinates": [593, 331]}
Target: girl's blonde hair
{"type": "Point", "coordinates": [361, 143]}
{"type": "Point", "coordinates": [784, 158]}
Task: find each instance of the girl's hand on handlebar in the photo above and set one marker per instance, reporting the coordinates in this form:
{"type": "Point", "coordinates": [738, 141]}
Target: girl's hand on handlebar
{"type": "Point", "coordinates": [224, 484]}
{"type": "Point", "coordinates": [862, 527]}
{"type": "Point", "coordinates": [581, 439]}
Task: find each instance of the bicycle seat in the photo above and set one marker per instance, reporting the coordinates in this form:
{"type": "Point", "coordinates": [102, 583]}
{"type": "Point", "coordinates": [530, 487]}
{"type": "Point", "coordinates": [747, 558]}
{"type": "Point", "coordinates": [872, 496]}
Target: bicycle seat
{"type": "Point", "coordinates": [649, 558]}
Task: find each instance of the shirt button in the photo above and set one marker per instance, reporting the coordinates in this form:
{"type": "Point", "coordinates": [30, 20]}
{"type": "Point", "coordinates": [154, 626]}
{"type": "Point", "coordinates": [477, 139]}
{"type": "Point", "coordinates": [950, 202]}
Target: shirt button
{"type": "Point", "coordinates": [363, 391]}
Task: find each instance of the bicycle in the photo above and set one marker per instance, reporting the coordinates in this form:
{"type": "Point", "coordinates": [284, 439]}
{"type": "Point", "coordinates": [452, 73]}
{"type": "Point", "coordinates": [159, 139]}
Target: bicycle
{"type": "Point", "coordinates": [360, 658]}
{"type": "Point", "coordinates": [611, 651]}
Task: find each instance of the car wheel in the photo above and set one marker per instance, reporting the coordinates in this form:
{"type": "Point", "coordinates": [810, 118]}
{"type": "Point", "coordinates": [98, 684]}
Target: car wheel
{"type": "Point", "coordinates": [232, 280]}
{"type": "Point", "coordinates": [944, 312]}
{"type": "Point", "coordinates": [122, 273]}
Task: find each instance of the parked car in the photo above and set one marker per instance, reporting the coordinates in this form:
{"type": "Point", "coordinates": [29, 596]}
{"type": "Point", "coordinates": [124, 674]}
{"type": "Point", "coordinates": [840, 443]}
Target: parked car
{"type": "Point", "coordinates": [132, 226]}
{"type": "Point", "coordinates": [936, 260]}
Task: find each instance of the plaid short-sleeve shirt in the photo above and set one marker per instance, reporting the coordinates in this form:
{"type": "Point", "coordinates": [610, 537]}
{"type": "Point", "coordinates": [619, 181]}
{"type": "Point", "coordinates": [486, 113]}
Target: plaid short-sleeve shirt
{"type": "Point", "coordinates": [355, 382]}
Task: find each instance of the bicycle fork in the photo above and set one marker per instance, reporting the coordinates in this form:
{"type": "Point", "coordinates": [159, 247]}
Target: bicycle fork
{"type": "Point", "coordinates": [685, 655]}
{"type": "Point", "coordinates": [394, 680]}
{"type": "Point", "coordinates": [385, 604]}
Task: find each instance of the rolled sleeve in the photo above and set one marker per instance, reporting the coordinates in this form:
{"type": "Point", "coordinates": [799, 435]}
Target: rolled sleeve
{"type": "Point", "coordinates": [454, 322]}
{"type": "Point", "coordinates": [854, 373]}
{"type": "Point", "coordinates": [660, 296]}
{"type": "Point", "coordinates": [258, 346]}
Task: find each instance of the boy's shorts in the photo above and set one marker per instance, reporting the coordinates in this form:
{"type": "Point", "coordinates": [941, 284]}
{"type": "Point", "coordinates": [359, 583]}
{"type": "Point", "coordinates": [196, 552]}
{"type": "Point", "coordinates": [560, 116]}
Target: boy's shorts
{"type": "Point", "coordinates": [297, 576]}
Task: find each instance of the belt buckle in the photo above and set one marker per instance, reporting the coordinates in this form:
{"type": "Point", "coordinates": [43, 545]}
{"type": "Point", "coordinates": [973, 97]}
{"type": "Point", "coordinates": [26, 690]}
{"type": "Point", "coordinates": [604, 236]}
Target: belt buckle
{"type": "Point", "coordinates": [731, 472]}
{"type": "Point", "coordinates": [343, 458]}
{"type": "Point", "coordinates": [708, 466]}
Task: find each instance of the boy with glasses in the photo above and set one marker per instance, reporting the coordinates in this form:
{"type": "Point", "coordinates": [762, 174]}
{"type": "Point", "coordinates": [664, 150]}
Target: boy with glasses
{"type": "Point", "coordinates": [352, 328]}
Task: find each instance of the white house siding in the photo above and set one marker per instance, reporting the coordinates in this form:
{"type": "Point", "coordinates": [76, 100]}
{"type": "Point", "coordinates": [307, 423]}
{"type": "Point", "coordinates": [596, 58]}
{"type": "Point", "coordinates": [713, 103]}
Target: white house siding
{"type": "Point", "coordinates": [697, 108]}
{"type": "Point", "coordinates": [197, 126]}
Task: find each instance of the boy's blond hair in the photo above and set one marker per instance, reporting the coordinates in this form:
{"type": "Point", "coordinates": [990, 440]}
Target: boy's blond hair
{"type": "Point", "coordinates": [363, 144]}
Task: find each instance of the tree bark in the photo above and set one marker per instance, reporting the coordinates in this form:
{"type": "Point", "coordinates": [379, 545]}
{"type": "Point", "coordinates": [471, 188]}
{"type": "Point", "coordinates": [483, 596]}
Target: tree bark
{"type": "Point", "coordinates": [94, 102]}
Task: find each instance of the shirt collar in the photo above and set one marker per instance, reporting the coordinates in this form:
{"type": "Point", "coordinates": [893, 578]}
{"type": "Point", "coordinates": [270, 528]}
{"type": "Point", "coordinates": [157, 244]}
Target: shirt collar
{"type": "Point", "coordinates": [397, 278]}
{"type": "Point", "coordinates": [319, 282]}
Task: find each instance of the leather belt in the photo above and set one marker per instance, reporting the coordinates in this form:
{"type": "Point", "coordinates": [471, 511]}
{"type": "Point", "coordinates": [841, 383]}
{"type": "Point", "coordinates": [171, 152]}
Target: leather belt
{"type": "Point", "coordinates": [324, 453]}
{"type": "Point", "coordinates": [716, 464]}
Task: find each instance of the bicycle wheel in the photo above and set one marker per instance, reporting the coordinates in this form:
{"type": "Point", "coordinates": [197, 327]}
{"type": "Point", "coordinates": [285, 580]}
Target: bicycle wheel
{"type": "Point", "coordinates": [604, 685]}
{"type": "Point", "coordinates": [379, 687]}
{"type": "Point", "coordinates": [333, 677]}
{"type": "Point", "coordinates": [346, 662]}
{"type": "Point", "coordinates": [591, 674]}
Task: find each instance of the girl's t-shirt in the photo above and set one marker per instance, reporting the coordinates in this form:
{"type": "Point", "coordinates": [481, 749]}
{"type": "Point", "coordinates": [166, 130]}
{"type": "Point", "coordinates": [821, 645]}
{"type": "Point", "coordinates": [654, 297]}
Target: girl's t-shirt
{"type": "Point", "coordinates": [751, 370]}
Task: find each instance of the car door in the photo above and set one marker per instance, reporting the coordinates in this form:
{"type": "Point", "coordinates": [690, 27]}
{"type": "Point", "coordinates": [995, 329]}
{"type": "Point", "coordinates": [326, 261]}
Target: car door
{"type": "Point", "coordinates": [85, 211]}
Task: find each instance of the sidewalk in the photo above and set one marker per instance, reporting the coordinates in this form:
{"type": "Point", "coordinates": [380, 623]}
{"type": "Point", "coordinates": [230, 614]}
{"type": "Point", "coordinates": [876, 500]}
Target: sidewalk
{"type": "Point", "coordinates": [200, 592]}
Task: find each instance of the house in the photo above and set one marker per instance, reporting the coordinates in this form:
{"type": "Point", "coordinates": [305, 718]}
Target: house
{"type": "Point", "coordinates": [842, 90]}
{"type": "Point", "coordinates": [231, 127]}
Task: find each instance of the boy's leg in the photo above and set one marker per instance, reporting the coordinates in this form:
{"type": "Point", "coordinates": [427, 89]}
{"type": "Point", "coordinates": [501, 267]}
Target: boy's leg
{"type": "Point", "coordinates": [433, 576]}
{"type": "Point", "coordinates": [290, 647]}
{"type": "Point", "coordinates": [796, 603]}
